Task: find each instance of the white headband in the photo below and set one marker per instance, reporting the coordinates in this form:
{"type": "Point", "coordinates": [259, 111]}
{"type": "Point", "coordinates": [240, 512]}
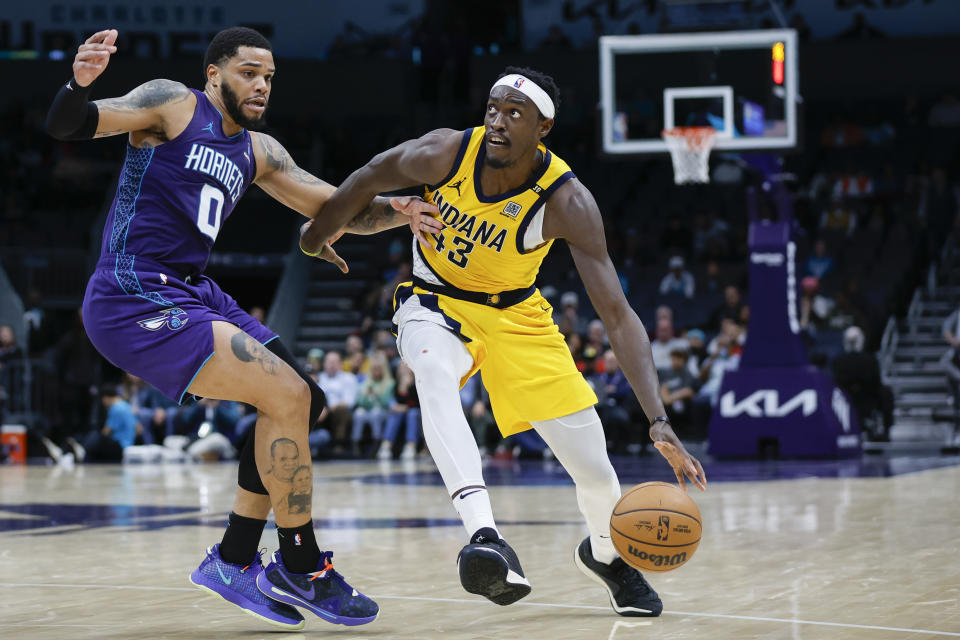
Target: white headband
{"type": "Point", "coordinates": [529, 88]}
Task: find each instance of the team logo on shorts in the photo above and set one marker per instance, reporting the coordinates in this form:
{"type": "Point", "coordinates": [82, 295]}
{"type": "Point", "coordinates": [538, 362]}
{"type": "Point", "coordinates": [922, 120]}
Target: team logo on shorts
{"type": "Point", "coordinates": [512, 209]}
{"type": "Point", "coordinates": [172, 319]}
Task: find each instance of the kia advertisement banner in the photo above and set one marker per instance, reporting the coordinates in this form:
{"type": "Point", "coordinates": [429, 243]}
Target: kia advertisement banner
{"type": "Point", "coordinates": [776, 403]}
{"type": "Point", "coordinates": [796, 410]}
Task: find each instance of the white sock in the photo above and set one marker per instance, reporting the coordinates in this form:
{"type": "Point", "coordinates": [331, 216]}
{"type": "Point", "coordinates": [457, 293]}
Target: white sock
{"type": "Point", "coordinates": [603, 550]}
{"type": "Point", "coordinates": [578, 442]}
{"type": "Point", "coordinates": [438, 360]}
{"type": "Point", "coordinates": [473, 506]}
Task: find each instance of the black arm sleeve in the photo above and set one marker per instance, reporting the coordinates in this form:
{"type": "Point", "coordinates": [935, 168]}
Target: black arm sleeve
{"type": "Point", "coordinates": [72, 116]}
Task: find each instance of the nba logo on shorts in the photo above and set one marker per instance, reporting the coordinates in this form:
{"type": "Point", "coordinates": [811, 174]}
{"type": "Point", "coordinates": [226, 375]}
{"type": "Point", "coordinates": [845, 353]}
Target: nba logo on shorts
{"type": "Point", "coordinates": [172, 319]}
{"type": "Point", "coordinates": [512, 209]}
{"type": "Point", "coordinates": [296, 539]}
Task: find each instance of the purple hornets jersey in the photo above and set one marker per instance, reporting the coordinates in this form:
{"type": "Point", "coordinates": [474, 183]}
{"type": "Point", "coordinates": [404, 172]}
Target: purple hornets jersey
{"type": "Point", "coordinates": [147, 309]}
{"type": "Point", "coordinates": [172, 199]}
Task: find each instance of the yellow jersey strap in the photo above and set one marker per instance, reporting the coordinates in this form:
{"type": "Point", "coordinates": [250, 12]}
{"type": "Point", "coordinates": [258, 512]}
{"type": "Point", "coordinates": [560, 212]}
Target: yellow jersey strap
{"type": "Point", "coordinates": [542, 196]}
{"type": "Point", "coordinates": [461, 152]}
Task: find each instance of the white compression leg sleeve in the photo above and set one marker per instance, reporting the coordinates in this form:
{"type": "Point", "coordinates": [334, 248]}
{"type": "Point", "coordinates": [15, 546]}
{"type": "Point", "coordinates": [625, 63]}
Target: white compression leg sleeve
{"type": "Point", "coordinates": [578, 442]}
{"type": "Point", "coordinates": [438, 360]}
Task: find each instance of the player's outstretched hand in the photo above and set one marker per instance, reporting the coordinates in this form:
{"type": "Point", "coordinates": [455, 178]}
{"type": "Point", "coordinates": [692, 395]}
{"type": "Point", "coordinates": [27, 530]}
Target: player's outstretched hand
{"type": "Point", "coordinates": [684, 465]}
{"type": "Point", "coordinates": [93, 55]}
{"type": "Point", "coordinates": [327, 253]}
{"type": "Point", "coordinates": [421, 220]}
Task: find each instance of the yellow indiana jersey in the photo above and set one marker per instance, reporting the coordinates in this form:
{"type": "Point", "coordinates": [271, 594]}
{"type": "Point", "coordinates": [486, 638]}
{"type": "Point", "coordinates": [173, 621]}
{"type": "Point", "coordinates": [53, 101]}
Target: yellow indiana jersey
{"type": "Point", "coordinates": [494, 244]}
{"type": "Point", "coordinates": [490, 243]}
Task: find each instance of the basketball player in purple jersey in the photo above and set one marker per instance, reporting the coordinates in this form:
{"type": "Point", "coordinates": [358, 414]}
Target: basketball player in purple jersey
{"type": "Point", "coordinates": [150, 311]}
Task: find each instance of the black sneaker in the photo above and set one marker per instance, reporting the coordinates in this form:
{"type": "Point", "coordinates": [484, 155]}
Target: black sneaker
{"type": "Point", "coordinates": [490, 568]}
{"type": "Point", "coordinates": [630, 594]}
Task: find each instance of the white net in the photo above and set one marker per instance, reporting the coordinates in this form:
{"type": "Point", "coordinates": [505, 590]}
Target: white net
{"type": "Point", "coordinates": [690, 150]}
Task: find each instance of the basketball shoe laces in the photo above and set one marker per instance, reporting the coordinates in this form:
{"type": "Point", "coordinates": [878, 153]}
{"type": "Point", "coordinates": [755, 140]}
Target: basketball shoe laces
{"type": "Point", "coordinates": [633, 578]}
{"type": "Point", "coordinates": [256, 560]}
{"type": "Point", "coordinates": [327, 558]}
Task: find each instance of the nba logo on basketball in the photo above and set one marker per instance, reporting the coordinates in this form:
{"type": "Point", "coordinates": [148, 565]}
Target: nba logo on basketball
{"type": "Point", "coordinates": [663, 528]}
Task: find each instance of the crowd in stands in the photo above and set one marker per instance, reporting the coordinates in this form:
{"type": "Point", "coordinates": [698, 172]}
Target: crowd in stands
{"type": "Point", "coordinates": [685, 263]}
{"type": "Point", "coordinates": [876, 194]}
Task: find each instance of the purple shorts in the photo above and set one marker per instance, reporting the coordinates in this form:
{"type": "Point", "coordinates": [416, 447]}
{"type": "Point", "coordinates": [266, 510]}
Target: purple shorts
{"type": "Point", "coordinates": [155, 325]}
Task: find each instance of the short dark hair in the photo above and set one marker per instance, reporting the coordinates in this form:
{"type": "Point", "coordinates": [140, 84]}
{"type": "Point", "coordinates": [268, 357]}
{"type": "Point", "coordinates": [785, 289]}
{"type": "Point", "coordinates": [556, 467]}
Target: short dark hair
{"type": "Point", "coordinates": [545, 82]}
{"type": "Point", "coordinates": [282, 441]}
{"type": "Point", "coordinates": [225, 44]}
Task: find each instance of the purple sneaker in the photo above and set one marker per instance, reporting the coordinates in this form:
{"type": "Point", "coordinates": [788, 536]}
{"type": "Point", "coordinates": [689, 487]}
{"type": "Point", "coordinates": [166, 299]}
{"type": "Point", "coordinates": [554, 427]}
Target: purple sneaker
{"type": "Point", "coordinates": [238, 585]}
{"type": "Point", "coordinates": [323, 592]}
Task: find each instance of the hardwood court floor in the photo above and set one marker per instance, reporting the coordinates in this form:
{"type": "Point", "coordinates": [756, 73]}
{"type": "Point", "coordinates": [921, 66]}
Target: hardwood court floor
{"type": "Point", "coordinates": [790, 550]}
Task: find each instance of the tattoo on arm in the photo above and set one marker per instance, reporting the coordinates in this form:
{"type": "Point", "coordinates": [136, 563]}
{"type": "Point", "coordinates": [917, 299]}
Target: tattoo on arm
{"type": "Point", "coordinates": [147, 96]}
{"type": "Point", "coordinates": [278, 159]}
{"type": "Point", "coordinates": [104, 134]}
{"type": "Point", "coordinates": [246, 349]}
{"type": "Point", "coordinates": [378, 216]}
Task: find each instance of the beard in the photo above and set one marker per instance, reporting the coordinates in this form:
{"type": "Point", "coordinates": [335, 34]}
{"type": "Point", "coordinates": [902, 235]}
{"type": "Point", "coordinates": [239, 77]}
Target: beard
{"type": "Point", "coordinates": [496, 163]}
{"type": "Point", "coordinates": [232, 104]}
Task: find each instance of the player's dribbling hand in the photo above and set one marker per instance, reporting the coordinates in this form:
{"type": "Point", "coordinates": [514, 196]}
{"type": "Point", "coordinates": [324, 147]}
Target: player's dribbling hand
{"type": "Point", "coordinates": [93, 55]}
{"type": "Point", "coordinates": [327, 253]}
{"type": "Point", "coordinates": [421, 221]}
{"type": "Point", "coordinates": [684, 465]}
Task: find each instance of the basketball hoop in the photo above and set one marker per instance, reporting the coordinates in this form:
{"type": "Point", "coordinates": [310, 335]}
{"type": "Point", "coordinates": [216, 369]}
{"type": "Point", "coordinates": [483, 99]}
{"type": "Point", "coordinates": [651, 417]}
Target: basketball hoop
{"type": "Point", "coordinates": [690, 149]}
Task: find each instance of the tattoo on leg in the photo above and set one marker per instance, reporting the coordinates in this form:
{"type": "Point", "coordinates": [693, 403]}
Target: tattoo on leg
{"type": "Point", "coordinates": [299, 500]}
{"type": "Point", "coordinates": [284, 459]}
{"type": "Point", "coordinates": [246, 349]}
{"type": "Point", "coordinates": [285, 466]}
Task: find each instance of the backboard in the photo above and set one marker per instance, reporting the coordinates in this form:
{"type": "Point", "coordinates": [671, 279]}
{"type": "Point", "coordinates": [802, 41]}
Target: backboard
{"type": "Point", "coordinates": [742, 83]}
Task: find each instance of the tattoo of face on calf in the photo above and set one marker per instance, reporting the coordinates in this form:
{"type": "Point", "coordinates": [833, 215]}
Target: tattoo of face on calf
{"type": "Point", "coordinates": [285, 466]}
{"type": "Point", "coordinates": [246, 349]}
{"type": "Point", "coordinates": [300, 499]}
{"type": "Point", "coordinates": [284, 459]}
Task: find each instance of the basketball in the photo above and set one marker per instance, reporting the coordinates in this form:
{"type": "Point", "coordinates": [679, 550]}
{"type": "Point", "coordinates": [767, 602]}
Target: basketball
{"type": "Point", "coordinates": [655, 526]}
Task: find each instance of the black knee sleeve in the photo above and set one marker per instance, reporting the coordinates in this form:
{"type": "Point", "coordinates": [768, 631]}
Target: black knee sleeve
{"type": "Point", "coordinates": [317, 399]}
{"type": "Point", "coordinates": [248, 477]}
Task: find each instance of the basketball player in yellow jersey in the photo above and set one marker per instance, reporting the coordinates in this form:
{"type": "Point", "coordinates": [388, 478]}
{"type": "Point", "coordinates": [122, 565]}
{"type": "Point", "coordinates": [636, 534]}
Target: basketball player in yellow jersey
{"type": "Point", "coordinates": [472, 305]}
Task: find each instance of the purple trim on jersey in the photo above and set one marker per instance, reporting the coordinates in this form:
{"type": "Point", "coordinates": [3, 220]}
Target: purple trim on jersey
{"type": "Point", "coordinates": [186, 388]}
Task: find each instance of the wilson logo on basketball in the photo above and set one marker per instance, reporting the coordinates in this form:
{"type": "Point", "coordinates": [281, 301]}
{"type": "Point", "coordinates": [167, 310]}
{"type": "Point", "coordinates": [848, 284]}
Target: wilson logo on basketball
{"type": "Point", "coordinates": [656, 559]}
